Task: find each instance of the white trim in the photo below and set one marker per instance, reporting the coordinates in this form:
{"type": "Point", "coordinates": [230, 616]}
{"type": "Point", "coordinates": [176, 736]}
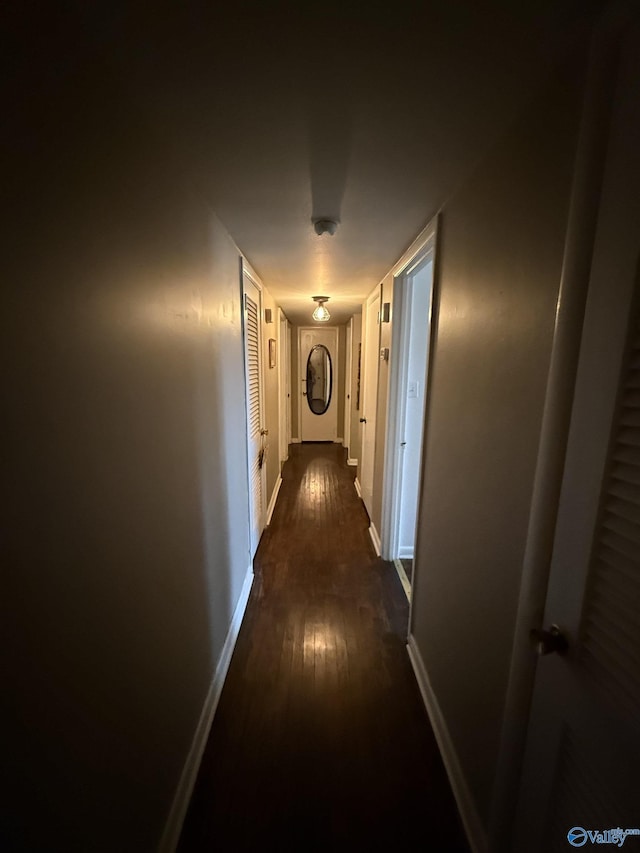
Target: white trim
{"type": "Point", "coordinates": [369, 384]}
{"type": "Point", "coordinates": [272, 502]}
{"type": "Point", "coordinates": [178, 811]}
{"type": "Point", "coordinates": [348, 373]}
{"type": "Point", "coordinates": [296, 441]}
{"type": "Point", "coordinates": [474, 829]}
{"type": "Point", "coordinates": [352, 462]}
{"type": "Point", "coordinates": [417, 254]}
{"type": "Point", "coordinates": [375, 538]}
{"type": "Point", "coordinates": [356, 483]}
{"type": "Point", "coordinates": [288, 389]}
{"type": "Point", "coordinates": [404, 580]}
{"type": "Point", "coordinates": [406, 552]}
{"type": "Point", "coordinates": [281, 367]}
{"type": "Point", "coordinates": [339, 441]}
{"type": "Point", "coordinates": [404, 264]}
{"type": "Point", "coordinates": [253, 275]}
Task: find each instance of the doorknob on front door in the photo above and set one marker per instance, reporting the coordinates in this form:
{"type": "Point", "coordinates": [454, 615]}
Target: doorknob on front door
{"type": "Point", "coordinates": [363, 420]}
{"type": "Point", "coordinates": [549, 641]}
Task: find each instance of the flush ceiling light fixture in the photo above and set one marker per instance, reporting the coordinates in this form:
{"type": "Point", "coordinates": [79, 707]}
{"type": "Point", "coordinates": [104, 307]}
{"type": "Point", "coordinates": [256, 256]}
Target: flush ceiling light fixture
{"type": "Point", "coordinates": [321, 314]}
{"type": "Point", "coordinates": [325, 226]}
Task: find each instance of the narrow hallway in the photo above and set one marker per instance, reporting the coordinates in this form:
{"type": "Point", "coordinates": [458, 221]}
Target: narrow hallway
{"type": "Point", "coordinates": [321, 740]}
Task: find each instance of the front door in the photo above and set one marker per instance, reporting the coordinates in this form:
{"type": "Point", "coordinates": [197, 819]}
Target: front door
{"type": "Point", "coordinates": [581, 779]}
{"type": "Point", "coordinates": [318, 372]}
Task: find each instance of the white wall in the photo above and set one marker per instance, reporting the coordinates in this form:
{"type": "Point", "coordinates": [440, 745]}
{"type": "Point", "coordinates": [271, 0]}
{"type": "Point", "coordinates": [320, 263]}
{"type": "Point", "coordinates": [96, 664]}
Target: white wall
{"type": "Point", "coordinates": [124, 526]}
{"type": "Point", "coordinates": [499, 263]}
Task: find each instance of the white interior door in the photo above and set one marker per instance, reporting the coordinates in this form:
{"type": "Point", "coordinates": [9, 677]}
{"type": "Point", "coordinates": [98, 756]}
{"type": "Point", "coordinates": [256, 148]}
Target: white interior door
{"type": "Point", "coordinates": [418, 320]}
{"type": "Point", "coordinates": [255, 406]}
{"type": "Point", "coordinates": [348, 370]}
{"type": "Point", "coordinates": [289, 395]}
{"type": "Point", "coordinates": [370, 364]}
{"type": "Point", "coordinates": [318, 370]}
{"type": "Point", "coordinates": [582, 761]}
{"type": "Point", "coordinates": [283, 385]}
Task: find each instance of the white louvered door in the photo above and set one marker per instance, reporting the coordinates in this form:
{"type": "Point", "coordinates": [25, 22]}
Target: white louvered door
{"type": "Point", "coordinates": [582, 763]}
{"type": "Point", "coordinates": [255, 436]}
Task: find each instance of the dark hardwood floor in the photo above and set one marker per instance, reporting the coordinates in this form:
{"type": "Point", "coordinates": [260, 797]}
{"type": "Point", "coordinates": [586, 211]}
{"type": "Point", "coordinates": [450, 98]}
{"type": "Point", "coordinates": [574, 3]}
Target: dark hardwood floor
{"type": "Point", "coordinates": [321, 741]}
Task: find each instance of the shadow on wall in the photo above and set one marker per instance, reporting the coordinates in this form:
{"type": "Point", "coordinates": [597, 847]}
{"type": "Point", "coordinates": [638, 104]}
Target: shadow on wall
{"type": "Point", "coordinates": [329, 124]}
{"type": "Point", "coordinates": [124, 540]}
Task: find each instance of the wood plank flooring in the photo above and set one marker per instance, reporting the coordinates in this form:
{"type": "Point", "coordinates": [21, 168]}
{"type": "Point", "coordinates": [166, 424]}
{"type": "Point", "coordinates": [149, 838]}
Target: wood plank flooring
{"type": "Point", "coordinates": [321, 741]}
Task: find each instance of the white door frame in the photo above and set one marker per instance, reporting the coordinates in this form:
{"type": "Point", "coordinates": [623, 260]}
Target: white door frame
{"type": "Point", "coordinates": [288, 389]}
{"type": "Point", "coordinates": [348, 367]}
{"type": "Point", "coordinates": [369, 407]}
{"type": "Point", "coordinates": [283, 384]}
{"type": "Point", "coordinates": [420, 250]}
{"type": "Point", "coordinates": [246, 270]}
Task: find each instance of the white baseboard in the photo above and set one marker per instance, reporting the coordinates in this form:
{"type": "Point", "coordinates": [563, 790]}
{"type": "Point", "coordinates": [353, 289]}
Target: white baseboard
{"type": "Point", "coordinates": [352, 462]}
{"type": "Point", "coordinates": [406, 552]}
{"type": "Point", "coordinates": [404, 580]}
{"type": "Point", "coordinates": [178, 812]}
{"type": "Point", "coordinates": [296, 441]}
{"type": "Point", "coordinates": [357, 486]}
{"type": "Point", "coordinates": [338, 441]}
{"type": "Point", "coordinates": [476, 834]}
{"type": "Point", "coordinates": [375, 538]}
{"type": "Point", "coordinates": [272, 502]}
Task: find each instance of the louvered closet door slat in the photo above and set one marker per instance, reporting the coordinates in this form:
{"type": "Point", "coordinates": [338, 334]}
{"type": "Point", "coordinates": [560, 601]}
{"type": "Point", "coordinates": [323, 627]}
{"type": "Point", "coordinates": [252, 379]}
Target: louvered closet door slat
{"type": "Point", "coordinates": [630, 435]}
{"type": "Point", "coordinates": [631, 416]}
{"type": "Point", "coordinates": [610, 600]}
{"type": "Point", "coordinates": [627, 454]}
{"type": "Point", "coordinates": [625, 492]}
{"type": "Point", "coordinates": [617, 562]}
{"type": "Point", "coordinates": [611, 620]}
{"type": "Point", "coordinates": [626, 473]}
{"type": "Point", "coordinates": [620, 545]}
{"type": "Point", "coordinates": [631, 399]}
{"type": "Point", "coordinates": [253, 367]}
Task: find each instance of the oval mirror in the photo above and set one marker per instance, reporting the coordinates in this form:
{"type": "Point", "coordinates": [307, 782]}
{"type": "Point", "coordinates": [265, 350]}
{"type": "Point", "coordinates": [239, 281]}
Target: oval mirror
{"type": "Point", "coordinates": [319, 379]}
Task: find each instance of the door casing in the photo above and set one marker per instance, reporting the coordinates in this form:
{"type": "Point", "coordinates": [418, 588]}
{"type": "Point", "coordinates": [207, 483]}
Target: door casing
{"type": "Point", "coordinates": [368, 411]}
{"type": "Point", "coordinates": [421, 251]}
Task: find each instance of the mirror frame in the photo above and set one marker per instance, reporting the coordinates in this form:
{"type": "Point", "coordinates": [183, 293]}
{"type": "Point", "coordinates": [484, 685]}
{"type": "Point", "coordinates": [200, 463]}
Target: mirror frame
{"type": "Point", "coordinates": [330, 360]}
